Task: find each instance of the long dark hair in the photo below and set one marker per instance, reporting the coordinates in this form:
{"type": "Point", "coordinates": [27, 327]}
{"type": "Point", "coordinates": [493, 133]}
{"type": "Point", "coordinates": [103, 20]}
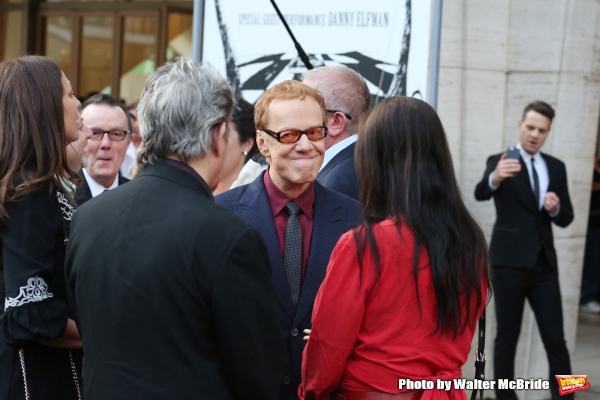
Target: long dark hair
{"type": "Point", "coordinates": [405, 171]}
{"type": "Point", "coordinates": [32, 129]}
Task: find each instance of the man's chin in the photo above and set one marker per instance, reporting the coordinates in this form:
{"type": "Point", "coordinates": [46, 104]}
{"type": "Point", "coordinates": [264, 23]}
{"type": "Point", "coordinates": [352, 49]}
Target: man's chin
{"type": "Point", "coordinates": [101, 175]}
{"type": "Point", "coordinates": [304, 178]}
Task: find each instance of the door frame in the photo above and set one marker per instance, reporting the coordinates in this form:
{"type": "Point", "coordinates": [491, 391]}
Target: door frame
{"type": "Point", "coordinates": [119, 11]}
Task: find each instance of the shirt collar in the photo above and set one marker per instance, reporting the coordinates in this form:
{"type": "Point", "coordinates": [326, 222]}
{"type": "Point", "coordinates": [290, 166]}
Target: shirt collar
{"type": "Point", "coordinates": [278, 199]}
{"type": "Point", "coordinates": [95, 187]}
{"type": "Point", "coordinates": [336, 148]}
{"type": "Point", "coordinates": [526, 156]}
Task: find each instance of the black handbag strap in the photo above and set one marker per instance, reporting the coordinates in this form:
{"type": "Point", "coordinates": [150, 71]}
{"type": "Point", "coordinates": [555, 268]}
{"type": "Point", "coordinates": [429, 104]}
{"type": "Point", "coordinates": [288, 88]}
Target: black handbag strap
{"type": "Point", "coordinates": [480, 356]}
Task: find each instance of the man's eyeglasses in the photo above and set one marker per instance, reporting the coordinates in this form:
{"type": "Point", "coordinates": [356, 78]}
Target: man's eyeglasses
{"type": "Point", "coordinates": [293, 135]}
{"type": "Point", "coordinates": [334, 111]}
{"type": "Point", "coordinates": [116, 135]}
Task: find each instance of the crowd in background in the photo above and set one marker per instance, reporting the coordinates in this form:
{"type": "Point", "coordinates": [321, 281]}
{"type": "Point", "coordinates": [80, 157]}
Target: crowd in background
{"type": "Point", "coordinates": [195, 245]}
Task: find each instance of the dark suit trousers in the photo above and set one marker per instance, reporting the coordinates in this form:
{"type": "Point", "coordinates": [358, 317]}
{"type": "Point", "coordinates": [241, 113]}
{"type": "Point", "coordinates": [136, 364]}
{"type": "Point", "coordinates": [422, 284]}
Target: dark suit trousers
{"type": "Point", "coordinates": [540, 286]}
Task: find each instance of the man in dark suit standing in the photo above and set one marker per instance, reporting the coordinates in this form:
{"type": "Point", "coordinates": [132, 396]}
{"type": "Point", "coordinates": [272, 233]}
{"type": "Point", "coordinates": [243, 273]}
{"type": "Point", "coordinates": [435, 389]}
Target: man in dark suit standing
{"type": "Point", "coordinates": [300, 220]}
{"type": "Point", "coordinates": [529, 193]}
{"type": "Point", "coordinates": [346, 98]}
{"type": "Point", "coordinates": [173, 293]}
{"type": "Point", "coordinates": [111, 133]}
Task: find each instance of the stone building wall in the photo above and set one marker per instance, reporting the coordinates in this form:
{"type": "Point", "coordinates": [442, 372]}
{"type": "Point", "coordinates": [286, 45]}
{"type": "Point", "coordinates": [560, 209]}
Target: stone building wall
{"type": "Point", "coordinates": [496, 56]}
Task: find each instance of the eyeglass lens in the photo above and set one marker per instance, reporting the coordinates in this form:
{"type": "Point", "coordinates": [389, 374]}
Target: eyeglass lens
{"type": "Point", "coordinates": [115, 134]}
{"type": "Point", "coordinates": [293, 135]}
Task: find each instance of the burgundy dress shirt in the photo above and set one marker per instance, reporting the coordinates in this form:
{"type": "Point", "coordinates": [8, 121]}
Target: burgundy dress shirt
{"type": "Point", "coordinates": [277, 201]}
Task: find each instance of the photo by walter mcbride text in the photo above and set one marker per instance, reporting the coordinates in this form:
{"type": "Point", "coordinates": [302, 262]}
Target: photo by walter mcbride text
{"type": "Point", "coordinates": [474, 384]}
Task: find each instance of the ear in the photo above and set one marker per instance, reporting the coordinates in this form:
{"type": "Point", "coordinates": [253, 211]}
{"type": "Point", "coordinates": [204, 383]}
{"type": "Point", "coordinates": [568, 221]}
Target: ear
{"type": "Point", "coordinates": [262, 144]}
{"type": "Point", "coordinates": [248, 144]}
{"type": "Point", "coordinates": [218, 133]}
{"type": "Point", "coordinates": [519, 124]}
{"type": "Point", "coordinates": [337, 123]}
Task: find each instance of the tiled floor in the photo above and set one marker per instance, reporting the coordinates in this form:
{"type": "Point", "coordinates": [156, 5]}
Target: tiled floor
{"type": "Point", "coordinates": [585, 359]}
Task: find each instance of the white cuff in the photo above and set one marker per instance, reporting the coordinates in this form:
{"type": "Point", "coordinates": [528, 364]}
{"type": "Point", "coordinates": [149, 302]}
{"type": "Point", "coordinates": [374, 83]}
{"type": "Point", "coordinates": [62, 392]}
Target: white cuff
{"type": "Point", "coordinates": [490, 183]}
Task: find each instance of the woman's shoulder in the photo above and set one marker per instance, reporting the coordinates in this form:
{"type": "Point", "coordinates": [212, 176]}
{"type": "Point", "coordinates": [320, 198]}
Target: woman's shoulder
{"type": "Point", "coordinates": [41, 200]}
{"type": "Point", "coordinates": [392, 231]}
{"type": "Point", "coordinates": [19, 180]}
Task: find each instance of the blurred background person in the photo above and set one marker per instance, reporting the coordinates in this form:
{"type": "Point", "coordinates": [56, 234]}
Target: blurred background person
{"type": "Point", "coordinates": [239, 168]}
{"type": "Point", "coordinates": [38, 118]}
{"type": "Point", "coordinates": [531, 193]}
{"type": "Point", "coordinates": [130, 160]}
{"type": "Point", "coordinates": [346, 97]}
{"type": "Point", "coordinates": [403, 292]}
{"type": "Point", "coordinates": [107, 145]}
{"type": "Point", "coordinates": [590, 278]}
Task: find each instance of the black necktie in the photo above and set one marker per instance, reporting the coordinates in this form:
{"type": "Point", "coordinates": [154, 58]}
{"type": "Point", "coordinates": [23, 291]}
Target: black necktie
{"type": "Point", "coordinates": [292, 253]}
{"type": "Point", "coordinates": [536, 184]}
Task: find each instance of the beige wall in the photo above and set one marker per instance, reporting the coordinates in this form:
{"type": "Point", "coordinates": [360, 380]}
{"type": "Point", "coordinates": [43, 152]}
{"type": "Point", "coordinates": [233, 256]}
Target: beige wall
{"type": "Point", "coordinates": [496, 56]}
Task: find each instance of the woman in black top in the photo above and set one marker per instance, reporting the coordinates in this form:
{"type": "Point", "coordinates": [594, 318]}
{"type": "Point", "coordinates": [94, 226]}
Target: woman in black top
{"type": "Point", "coordinates": [38, 339]}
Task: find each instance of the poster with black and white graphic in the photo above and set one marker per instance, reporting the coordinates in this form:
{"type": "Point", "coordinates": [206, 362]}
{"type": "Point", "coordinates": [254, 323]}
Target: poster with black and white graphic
{"type": "Point", "coordinates": [386, 41]}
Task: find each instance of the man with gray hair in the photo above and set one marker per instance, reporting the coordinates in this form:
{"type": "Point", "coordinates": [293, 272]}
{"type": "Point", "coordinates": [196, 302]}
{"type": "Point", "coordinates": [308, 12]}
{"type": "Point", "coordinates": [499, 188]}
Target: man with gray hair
{"type": "Point", "coordinates": [346, 97]}
{"type": "Point", "coordinates": [172, 293]}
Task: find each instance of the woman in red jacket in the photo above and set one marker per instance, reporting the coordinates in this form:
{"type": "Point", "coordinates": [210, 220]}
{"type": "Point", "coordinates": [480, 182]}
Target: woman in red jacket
{"type": "Point", "coordinates": [399, 306]}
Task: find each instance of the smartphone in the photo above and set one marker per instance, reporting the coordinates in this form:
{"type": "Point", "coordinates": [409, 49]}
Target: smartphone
{"type": "Point", "coordinates": [512, 153]}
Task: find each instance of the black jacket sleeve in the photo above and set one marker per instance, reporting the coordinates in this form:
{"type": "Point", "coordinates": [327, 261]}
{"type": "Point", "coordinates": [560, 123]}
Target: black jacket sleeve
{"type": "Point", "coordinates": [31, 252]}
{"type": "Point", "coordinates": [565, 215]}
{"type": "Point", "coordinates": [245, 311]}
{"type": "Point", "coordinates": [482, 190]}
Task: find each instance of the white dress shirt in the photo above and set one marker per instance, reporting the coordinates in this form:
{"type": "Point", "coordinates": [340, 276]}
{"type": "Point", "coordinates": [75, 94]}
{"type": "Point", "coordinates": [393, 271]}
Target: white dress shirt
{"type": "Point", "coordinates": [250, 171]}
{"type": "Point", "coordinates": [336, 148]}
{"type": "Point", "coordinates": [95, 187]}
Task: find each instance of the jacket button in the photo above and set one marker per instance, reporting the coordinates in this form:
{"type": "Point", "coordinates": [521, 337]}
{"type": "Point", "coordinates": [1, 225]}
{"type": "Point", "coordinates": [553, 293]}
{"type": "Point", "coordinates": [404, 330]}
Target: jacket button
{"type": "Point", "coordinates": [287, 380]}
{"type": "Point", "coordinates": [295, 332]}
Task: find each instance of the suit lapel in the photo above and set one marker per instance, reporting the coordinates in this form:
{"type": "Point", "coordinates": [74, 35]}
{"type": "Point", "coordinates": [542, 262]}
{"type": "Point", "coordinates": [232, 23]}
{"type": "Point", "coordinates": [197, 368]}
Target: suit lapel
{"type": "Point", "coordinates": [84, 193]}
{"type": "Point", "coordinates": [338, 158]}
{"type": "Point", "coordinates": [327, 221]}
{"type": "Point", "coordinates": [254, 208]}
{"type": "Point", "coordinates": [122, 179]}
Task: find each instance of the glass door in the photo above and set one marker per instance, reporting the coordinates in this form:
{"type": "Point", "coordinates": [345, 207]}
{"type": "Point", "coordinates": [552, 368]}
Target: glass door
{"type": "Point", "coordinates": [139, 47]}
{"type": "Point", "coordinates": [110, 52]}
{"type": "Point", "coordinates": [96, 54]}
{"type": "Point", "coordinates": [179, 35]}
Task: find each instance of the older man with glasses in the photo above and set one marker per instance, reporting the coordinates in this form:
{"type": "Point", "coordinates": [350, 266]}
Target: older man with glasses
{"type": "Point", "coordinates": [300, 220]}
{"type": "Point", "coordinates": [106, 147]}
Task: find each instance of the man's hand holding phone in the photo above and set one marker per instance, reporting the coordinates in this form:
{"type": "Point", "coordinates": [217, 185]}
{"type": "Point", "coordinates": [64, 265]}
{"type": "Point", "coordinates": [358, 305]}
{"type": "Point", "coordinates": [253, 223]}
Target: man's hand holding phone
{"type": "Point", "coordinates": [507, 167]}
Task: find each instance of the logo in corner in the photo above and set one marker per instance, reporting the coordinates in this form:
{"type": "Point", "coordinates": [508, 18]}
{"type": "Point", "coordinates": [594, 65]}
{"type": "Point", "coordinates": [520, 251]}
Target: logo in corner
{"type": "Point", "coordinates": [572, 383]}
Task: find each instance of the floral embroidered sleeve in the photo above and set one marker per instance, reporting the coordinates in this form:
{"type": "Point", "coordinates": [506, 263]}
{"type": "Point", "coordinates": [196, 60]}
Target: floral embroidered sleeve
{"type": "Point", "coordinates": [32, 257]}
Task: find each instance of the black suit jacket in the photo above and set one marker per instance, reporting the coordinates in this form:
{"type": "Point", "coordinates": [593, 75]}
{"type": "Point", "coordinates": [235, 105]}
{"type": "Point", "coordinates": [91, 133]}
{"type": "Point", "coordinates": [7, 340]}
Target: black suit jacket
{"type": "Point", "coordinates": [84, 193]}
{"type": "Point", "coordinates": [340, 173]}
{"type": "Point", "coordinates": [334, 214]}
{"type": "Point", "coordinates": [521, 229]}
{"type": "Point", "coordinates": [173, 294]}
